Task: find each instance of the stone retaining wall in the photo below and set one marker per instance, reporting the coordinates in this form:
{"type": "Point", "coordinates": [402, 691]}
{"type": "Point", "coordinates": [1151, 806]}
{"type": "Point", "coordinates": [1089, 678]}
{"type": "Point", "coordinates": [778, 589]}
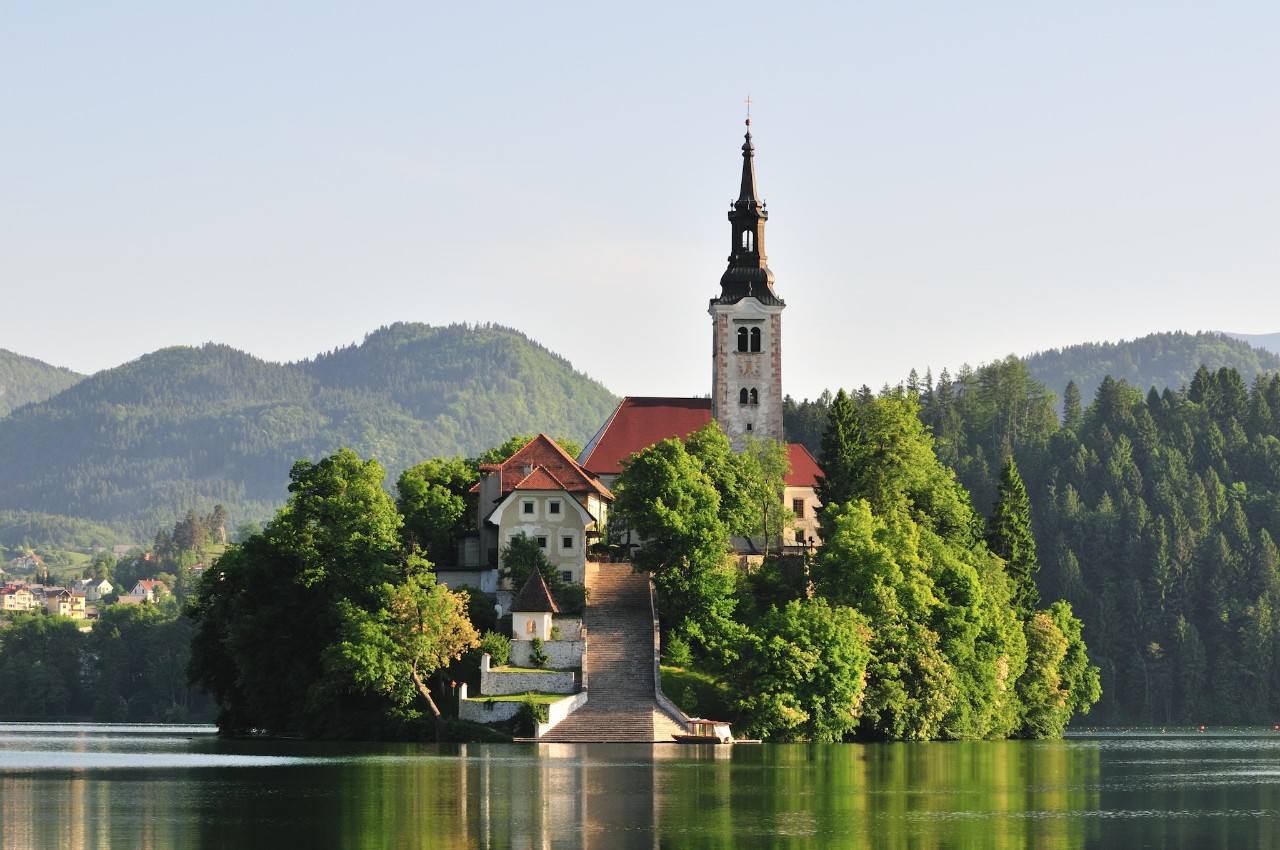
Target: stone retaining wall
{"type": "Point", "coordinates": [558, 711]}
{"type": "Point", "coordinates": [560, 653]}
{"type": "Point", "coordinates": [500, 682]}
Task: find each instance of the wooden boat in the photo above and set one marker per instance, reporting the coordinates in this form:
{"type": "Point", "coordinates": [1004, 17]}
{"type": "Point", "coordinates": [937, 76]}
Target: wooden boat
{"type": "Point", "coordinates": [706, 732]}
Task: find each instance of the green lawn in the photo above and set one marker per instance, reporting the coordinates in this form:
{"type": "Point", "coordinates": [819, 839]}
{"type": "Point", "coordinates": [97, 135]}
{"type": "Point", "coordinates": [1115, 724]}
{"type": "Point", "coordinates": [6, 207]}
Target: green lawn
{"type": "Point", "coordinates": [506, 669]}
{"type": "Point", "coordinates": [546, 699]}
{"type": "Point", "coordinates": [698, 694]}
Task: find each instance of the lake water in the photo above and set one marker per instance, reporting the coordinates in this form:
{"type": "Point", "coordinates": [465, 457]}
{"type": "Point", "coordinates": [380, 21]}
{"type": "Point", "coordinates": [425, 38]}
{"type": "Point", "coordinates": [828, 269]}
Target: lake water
{"type": "Point", "coordinates": [180, 787]}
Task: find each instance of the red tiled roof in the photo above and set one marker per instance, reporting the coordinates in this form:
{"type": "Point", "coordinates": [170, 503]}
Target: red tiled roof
{"type": "Point", "coordinates": [805, 471]}
{"type": "Point", "coordinates": [540, 479]}
{"type": "Point", "coordinates": [639, 422]}
{"type": "Point", "coordinates": [556, 469]}
{"type": "Point", "coordinates": [534, 597]}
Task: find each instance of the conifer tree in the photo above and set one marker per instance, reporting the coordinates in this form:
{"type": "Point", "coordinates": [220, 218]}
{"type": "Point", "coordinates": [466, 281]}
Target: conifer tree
{"type": "Point", "coordinates": [1071, 409]}
{"type": "Point", "coordinates": [1009, 536]}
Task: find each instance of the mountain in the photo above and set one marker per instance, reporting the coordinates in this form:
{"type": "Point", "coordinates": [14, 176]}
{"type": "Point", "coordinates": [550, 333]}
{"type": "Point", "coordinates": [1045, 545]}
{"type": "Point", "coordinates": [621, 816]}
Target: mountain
{"type": "Point", "coordinates": [25, 379]}
{"type": "Point", "coordinates": [1271, 342]}
{"type": "Point", "coordinates": [1160, 360]}
{"type": "Point", "coordinates": [138, 445]}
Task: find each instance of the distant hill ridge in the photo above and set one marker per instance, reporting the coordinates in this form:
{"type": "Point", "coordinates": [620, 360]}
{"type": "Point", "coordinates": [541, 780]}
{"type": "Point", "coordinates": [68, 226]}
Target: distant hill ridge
{"type": "Point", "coordinates": [1160, 360]}
{"type": "Point", "coordinates": [1271, 342]}
{"type": "Point", "coordinates": [137, 445]}
{"type": "Point", "coordinates": [25, 379]}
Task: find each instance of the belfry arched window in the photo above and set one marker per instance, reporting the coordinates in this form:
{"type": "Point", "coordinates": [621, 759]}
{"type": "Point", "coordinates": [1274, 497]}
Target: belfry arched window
{"type": "Point", "coordinates": [742, 339]}
{"type": "Point", "coordinates": [755, 339]}
{"type": "Point", "coordinates": [748, 240]}
{"type": "Point", "coordinates": [755, 397]}
{"type": "Point", "coordinates": [742, 396]}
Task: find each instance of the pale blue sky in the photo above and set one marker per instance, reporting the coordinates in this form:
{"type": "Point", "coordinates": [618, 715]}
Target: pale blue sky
{"type": "Point", "coordinates": [947, 182]}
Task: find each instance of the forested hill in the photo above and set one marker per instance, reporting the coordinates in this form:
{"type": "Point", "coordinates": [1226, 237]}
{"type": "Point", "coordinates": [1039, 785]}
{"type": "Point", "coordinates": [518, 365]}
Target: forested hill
{"type": "Point", "coordinates": [138, 445]}
{"type": "Point", "coordinates": [25, 379]}
{"type": "Point", "coordinates": [1271, 342]}
{"type": "Point", "coordinates": [1158, 360]}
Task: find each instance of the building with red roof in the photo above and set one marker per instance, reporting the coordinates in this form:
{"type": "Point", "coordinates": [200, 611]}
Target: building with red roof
{"type": "Point", "coordinates": [544, 494]}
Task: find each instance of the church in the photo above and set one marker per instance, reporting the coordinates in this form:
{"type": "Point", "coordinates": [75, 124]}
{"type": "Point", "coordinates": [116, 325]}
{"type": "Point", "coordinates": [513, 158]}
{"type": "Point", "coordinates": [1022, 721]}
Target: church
{"type": "Point", "coordinates": [562, 503]}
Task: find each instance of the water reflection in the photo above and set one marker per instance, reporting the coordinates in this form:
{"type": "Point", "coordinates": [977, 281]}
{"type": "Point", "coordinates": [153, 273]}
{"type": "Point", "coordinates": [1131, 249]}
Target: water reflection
{"type": "Point", "coordinates": [113, 787]}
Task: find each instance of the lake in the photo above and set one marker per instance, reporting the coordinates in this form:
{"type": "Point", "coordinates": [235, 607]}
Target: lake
{"type": "Point", "coordinates": [105, 786]}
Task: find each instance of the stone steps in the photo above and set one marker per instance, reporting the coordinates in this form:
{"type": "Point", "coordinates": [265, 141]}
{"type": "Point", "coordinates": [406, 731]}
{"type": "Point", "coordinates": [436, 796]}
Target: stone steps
{"type": "Point", "coordinates": [621, 705]}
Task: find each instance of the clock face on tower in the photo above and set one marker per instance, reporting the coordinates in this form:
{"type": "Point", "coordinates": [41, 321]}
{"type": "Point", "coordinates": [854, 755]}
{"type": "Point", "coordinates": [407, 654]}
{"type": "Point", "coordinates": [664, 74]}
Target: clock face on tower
{"type": "Point", "coordinates": [748, 366]}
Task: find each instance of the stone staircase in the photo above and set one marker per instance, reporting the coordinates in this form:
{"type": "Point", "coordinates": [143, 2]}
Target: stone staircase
{"type": "Point", "coordinates": [621, 706]}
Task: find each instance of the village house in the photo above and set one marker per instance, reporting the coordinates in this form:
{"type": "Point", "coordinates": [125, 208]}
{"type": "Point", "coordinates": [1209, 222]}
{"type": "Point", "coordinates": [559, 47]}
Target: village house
{"type": "Point", "coordinates": [16, 598]}
{"type": "Point", "coordinates": [94, 589]}
{"type": "Point", "coordinates": [148, 589]}
{"type": "Point", "coordinates": [542, 493]}
{"type": "Point", "coordinates": [61, 602]}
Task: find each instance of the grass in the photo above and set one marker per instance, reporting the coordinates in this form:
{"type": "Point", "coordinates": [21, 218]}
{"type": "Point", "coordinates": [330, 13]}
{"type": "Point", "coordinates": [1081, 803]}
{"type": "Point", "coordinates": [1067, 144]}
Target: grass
{"type": "Point", "coordinates": [465, 731]}
{"type": "Point", "coordinates": [698, 694]}
{"type": "Point", "coordinates": [545, 699]}
{"type": "Point", "coordinates": [508, 669]}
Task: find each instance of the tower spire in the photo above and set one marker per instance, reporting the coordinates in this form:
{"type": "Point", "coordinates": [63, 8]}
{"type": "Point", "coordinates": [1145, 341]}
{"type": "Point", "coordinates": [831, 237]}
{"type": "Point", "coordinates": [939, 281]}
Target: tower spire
{"type": "Point", "coordinates": [748, 273]}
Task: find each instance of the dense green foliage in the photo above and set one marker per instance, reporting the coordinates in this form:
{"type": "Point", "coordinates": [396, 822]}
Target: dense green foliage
{"type": "Point", "coordinates": [906, 627]}
{"type": "Point", "coordinates": [1158, 360]}
{"type": "Point", "coordinates": [1154, 516]}
{"type": "Point", "coordinates": [667, 498]}
{"type": "Point", "coordinates": [27, 530]}
{"type": "Point", "coordinates": [24, 380]}
{"type": "Point", "coordinates": [130, 667]}
{"type": "Point", "coordinates": [188, 428]}
{"type": "Point", "coordinates": [323, 624]}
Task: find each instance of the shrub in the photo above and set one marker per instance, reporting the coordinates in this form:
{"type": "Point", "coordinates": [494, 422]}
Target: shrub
{"type": "Point", "coordinates": [677, 653]}
{"type": "Point", "coordinates": [556, 634]}
{"type": "Point", "coordinates": [537, 657]}
{"type": "Point", "coordinates": [531, 712]}
{"type": "Point", "coordinates": [498, 646]}
{"type": "Point", "coordinates": [571, 598]}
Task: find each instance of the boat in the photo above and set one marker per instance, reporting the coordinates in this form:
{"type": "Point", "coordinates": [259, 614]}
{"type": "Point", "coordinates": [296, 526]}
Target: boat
{"type": "Point", "coordinates": [706, 732]}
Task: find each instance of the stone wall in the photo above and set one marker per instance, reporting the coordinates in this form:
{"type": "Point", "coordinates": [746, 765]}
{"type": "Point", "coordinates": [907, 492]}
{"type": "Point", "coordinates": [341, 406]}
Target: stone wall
{"type": "Point", "coordinates": [502, 682]}
{"type": "Point", "coordinates": [558, 711]}
{"type": "Point", "coordinates": [479, 710]}
{"type": "Point", "coordinates": [560, 653]}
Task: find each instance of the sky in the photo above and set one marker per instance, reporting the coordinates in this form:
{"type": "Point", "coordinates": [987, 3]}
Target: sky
{"type": "Point", "coordinates": [947, 183]}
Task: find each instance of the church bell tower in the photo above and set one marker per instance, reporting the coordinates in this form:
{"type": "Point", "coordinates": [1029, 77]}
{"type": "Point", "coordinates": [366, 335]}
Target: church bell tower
{"type": "Point", "coordinates": [746, 375]}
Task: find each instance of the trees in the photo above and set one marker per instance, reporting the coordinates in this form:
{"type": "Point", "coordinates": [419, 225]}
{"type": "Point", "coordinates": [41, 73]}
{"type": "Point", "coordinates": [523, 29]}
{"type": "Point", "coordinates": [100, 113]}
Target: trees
{"type": "Point", "coordinates": [947, 648]}
{"type": "Point", "coordinates": [40, 658]}
{"type": "Point", "coordinates": [520, 557]}
{"type": "Point", "coordinates": [321, 624]}
{"type": "Point", "coordinates": [666, 498]}
{"type": "Point", "coordinates": [806, 678]}
{"type": "Point", "coordinates": [435, 500]}
{"type": "Point", "coordinates": [1009, 536]}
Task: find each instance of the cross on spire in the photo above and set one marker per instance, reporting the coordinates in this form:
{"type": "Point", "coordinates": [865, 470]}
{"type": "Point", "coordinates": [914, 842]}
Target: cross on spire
{"type": "Point", "coordinates": [748, 102]}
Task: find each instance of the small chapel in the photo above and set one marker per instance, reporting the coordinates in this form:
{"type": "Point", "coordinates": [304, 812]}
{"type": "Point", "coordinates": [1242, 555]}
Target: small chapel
{"type": "Point", "coordinates": [562, 503]}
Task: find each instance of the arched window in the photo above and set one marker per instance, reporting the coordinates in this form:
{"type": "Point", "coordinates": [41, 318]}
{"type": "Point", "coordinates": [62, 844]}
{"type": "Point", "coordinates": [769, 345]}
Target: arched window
{"type": "Point", "coordinates": [755, 339]}
{"type": "Point", "coordinates": [755, 397]}
{"type": "Point", "coordinates": [748, 240]}
{"type": "Point", "coordinates": [742, 339]}
{"type": "Point", "coordinates": [742, 396]}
